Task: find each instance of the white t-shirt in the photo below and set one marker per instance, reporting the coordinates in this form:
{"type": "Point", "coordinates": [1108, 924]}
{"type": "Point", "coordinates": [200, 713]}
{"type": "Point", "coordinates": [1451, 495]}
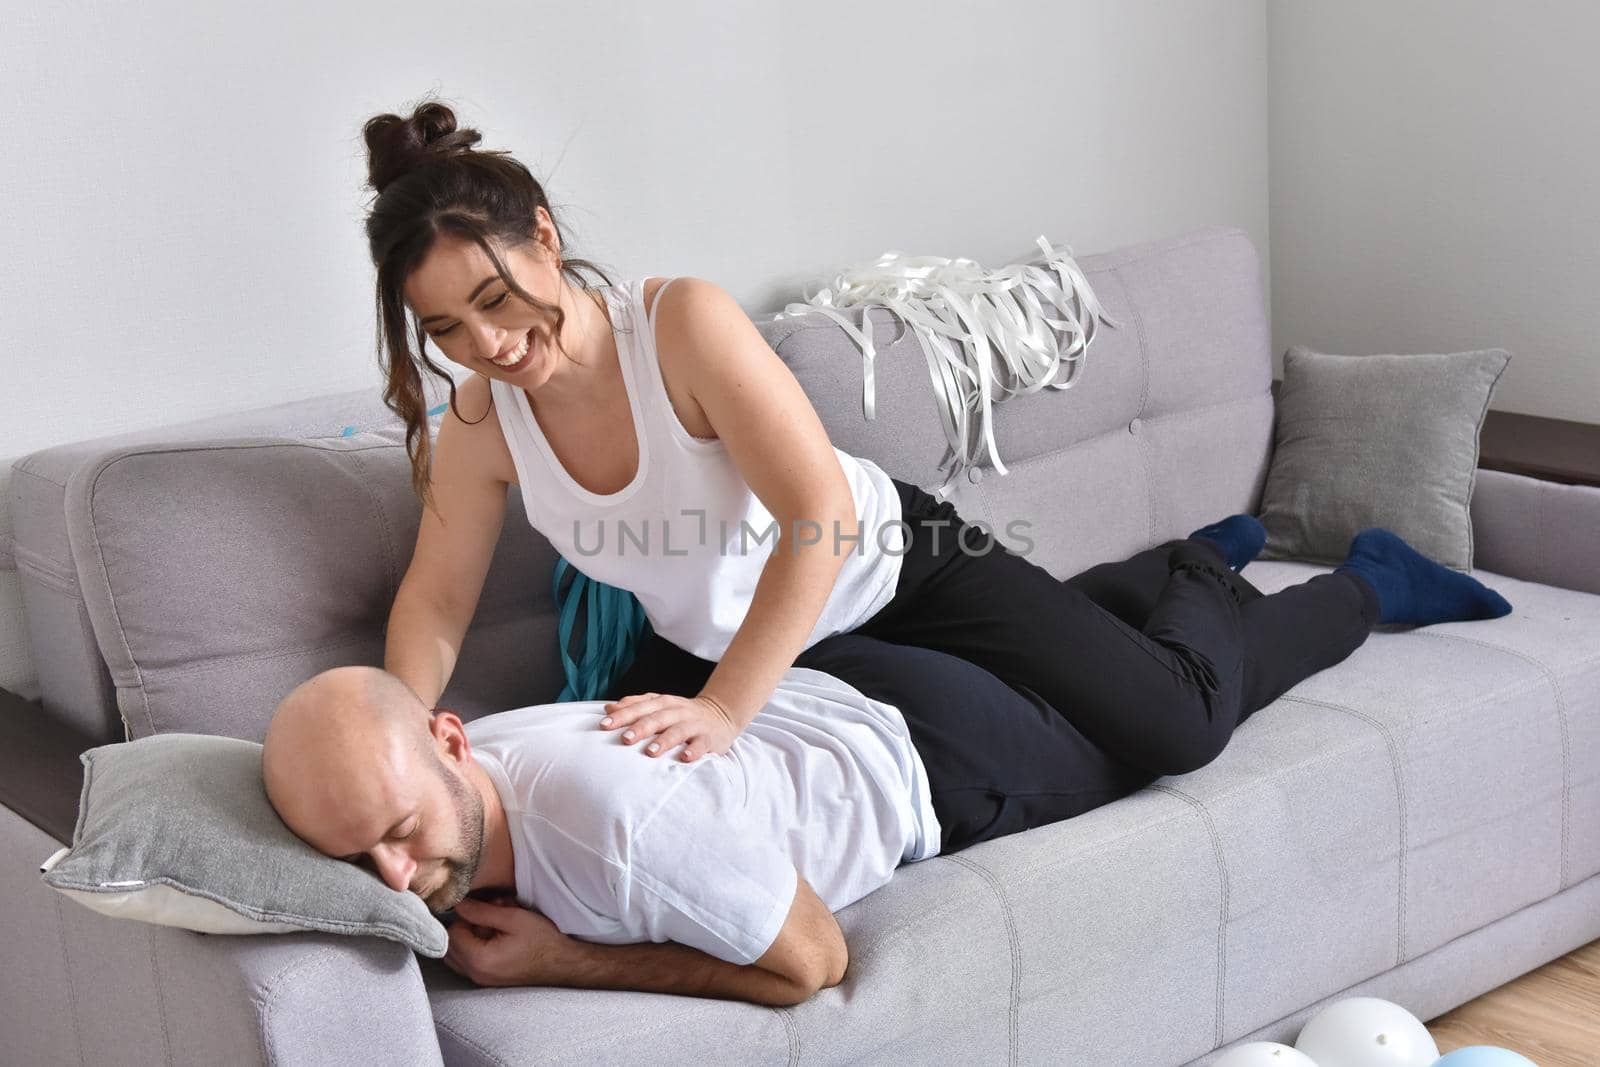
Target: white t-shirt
{"type": "Point", "coordinates": [617, 847]}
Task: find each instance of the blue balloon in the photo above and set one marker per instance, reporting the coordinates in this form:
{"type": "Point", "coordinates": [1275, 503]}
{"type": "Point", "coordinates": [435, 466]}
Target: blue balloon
{"type": "Point", "coordinates": [1483, 1056]}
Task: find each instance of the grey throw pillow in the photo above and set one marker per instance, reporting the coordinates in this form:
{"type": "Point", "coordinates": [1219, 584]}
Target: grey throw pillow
{"type": "Point", "coordinates": [1384, 440]}
{"type": "Point", "coordinates": [176, 829]}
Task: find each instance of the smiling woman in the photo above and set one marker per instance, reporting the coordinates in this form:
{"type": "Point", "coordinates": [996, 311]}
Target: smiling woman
{"type": "Point", "coordinates": [762, 518]}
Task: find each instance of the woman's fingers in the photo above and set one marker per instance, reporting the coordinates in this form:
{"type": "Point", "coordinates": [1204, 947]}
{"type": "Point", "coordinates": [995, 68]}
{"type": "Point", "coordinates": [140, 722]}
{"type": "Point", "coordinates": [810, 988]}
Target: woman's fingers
{"type": "Point", "coordinates": [628, 710]}
{"type": "Point", "coordinates": [650, 725]}
{"type": "Point", "coordinates": [668, 740]}
{"type": "Point", "coordinates": [645, 720]}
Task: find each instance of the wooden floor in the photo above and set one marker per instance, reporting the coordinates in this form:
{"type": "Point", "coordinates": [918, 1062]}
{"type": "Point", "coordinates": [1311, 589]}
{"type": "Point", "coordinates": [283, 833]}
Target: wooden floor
{"type": "Point", "coordinates": [1551, 1016]}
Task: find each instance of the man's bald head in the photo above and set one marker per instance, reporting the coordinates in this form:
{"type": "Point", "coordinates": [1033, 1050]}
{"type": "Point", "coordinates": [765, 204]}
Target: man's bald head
{"type": "Point", "coordinates": [353, 758]}
{"type": "Point", "coordinates": [338, 722]}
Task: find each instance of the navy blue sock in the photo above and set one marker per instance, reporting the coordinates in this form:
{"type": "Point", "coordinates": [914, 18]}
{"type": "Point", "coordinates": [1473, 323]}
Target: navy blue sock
{"type": "Point", "coordinates": [1239, 536]}
{"type": "Point", "coordinates": [1414, 589]}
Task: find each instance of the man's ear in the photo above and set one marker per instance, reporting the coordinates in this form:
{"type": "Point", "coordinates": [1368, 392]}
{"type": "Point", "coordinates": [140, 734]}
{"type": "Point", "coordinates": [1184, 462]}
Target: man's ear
{"type": "Point", "coordinates": [450, 734]}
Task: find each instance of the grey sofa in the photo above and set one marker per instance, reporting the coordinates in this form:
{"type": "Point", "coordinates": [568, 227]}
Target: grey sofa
{"type": "Point", "coordinates": [1419, 823]}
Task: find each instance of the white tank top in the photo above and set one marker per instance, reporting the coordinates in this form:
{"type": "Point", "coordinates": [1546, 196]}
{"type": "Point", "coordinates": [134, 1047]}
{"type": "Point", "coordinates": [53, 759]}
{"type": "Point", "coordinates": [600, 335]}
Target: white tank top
{"type": "Point", "coordinates": [687, 536]}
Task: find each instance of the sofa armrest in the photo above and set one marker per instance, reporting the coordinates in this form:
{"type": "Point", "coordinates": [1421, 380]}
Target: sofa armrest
{"type": "Point", "coordinates": [1536, 530]}
{"type": "Point", "coordinates": [78, 986]}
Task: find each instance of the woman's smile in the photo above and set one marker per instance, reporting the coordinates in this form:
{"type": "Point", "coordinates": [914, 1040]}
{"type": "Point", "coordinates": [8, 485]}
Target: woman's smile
{"type": "Point", "coordinates": [517, 356]}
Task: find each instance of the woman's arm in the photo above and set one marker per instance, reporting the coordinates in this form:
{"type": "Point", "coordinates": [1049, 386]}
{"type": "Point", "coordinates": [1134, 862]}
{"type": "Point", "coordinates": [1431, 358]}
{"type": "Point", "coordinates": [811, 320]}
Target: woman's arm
{"type": "Point", "coordinates": [789, 597]}
{"type": "Point", "coordinates": [456, 540]}
{"type": "Point", "coordinates": [782, 450]}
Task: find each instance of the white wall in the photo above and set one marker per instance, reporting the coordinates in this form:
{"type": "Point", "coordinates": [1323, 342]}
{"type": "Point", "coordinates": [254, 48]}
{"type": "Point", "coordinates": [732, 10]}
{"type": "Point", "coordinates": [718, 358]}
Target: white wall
{"type": "Point", "coordinates": [1435, 169]}
{"type": "Point", "coordinates": [182, 201]}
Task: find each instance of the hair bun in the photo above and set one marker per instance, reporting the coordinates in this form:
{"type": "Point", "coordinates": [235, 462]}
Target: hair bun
{"type": "Point", "coordinates": [396, 145]}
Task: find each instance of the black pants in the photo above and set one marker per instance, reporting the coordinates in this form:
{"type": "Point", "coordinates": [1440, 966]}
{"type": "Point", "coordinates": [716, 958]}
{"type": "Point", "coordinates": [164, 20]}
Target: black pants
{"type": "Point", "coordinates": [1085, 690]}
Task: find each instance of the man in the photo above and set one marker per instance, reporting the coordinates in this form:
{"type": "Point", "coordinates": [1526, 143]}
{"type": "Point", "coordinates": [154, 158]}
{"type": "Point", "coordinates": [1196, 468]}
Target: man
{"type": "Point", "coordinates": [613, 849]}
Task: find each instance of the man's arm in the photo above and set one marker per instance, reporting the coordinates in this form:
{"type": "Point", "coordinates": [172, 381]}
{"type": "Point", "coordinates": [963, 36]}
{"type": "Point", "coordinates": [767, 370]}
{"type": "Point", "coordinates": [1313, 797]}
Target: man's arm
{"type": "Point", "coordinates": [808, 954]}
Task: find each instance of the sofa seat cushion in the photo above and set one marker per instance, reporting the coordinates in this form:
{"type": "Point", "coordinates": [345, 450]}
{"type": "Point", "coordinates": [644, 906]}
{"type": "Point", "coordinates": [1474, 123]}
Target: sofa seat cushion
{"type": "Point", "coordinates": [1439, 778]}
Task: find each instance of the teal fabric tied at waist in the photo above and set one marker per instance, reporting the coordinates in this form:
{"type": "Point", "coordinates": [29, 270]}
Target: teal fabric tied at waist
{"type": "Point", "coordinates": [614, 627]}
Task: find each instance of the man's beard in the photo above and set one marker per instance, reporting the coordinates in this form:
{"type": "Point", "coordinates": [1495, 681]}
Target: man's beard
{"type": "Point", "coordinates": [460, 870]}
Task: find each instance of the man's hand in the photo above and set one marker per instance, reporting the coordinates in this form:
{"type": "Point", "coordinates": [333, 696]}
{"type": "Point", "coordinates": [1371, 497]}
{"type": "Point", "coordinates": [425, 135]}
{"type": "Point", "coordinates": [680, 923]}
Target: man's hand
{"type": "Point", "coordinates": [505, 945]}
{"type": "Point", "coordinates": [701, 723]}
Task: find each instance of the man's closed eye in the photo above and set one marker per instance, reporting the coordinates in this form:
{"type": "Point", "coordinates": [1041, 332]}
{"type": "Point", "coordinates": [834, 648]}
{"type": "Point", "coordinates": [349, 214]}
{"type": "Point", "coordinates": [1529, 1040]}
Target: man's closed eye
{"type": "Point", "coordinates": [364, 859]}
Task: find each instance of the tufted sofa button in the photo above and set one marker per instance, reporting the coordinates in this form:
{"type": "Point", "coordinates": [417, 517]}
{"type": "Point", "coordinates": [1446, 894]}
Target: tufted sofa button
{"type": "Point", "coordinates": [1135, 426]}
{"type": "Point", "coordinates": [974, 475]}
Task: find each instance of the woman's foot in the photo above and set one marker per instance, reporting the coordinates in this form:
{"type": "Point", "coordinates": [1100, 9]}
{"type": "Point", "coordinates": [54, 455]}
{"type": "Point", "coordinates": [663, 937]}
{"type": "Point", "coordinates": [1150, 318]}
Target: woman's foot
{"type": "Point", "coordinates": [1240, 537]}
{"type": "Point", "coordinates": [1414, 589]}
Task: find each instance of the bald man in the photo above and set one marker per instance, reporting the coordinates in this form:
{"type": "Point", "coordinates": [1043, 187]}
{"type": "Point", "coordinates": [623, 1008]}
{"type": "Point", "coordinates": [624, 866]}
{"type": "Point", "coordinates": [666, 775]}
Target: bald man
{"type": "Point", "coordinates": [650, 874]}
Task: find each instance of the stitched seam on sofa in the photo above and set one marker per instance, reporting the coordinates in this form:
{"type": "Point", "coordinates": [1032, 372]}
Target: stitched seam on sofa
{"type": "Point", "coordinates": [1067, 857]}
{"type": "Point", "coordinates": [44, 569]}
{"type": "Point", "coordinates": [1295, 771]}
{"type": "Point", "coordinates": [389, 558]}
{"type": "Point", "coordinates": [72, 991]}
{"type": "Point", "coordinates": [440, 1024]}
{"type": "Point", "coordinates": [1312, 1010]}
{"type": "Point", "coordinates": [901, 927]}
{"type": "Point", "coordinates": [1400, 803]}
{"type": "Point", "coordinates": [790, 1031]}
{"type": "Point", "coordinates": [1222, 920]}
{"type": "Point", "coordinates": [630, 1038]}
{"type": "Point", "coordinates": [161, 999]}
{"type": "Point", "coordinates": [1561, 719]}
{"type": "Point", "coordinates": [1183, 414]}
{"type": "Point", "coordinates": [20, 467]}
{"type": "Point", "coordinates": [1144, 397]}
{"type": "Point", "coordinates": [266, 999]}
{"type": "Point", "coordinates": [1011, 940]}
{"type": "Point", "coordinates": [1143, 451]}
{"type": "Point", "coordinates": [1121, 429]}
{"type": "Point", "coordinates": [241, 444]}
{"type": "Point", "coordinates": [1026, 463]}
{"type": "Point", "coordinates": [217, 663]}
{"type": "Point", "coordinates": [111, 599]}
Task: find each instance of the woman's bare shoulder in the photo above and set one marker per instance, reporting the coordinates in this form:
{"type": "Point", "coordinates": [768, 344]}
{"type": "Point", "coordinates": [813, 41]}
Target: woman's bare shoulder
{"type": "Point", "coordinates": [480, 427]}
{"type": "Point", "coordinates": [651, 286]}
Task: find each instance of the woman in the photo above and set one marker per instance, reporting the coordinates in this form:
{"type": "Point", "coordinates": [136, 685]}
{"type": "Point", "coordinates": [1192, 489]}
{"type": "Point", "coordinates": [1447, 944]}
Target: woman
{"type": "Point", "coordinates": [655, 406]}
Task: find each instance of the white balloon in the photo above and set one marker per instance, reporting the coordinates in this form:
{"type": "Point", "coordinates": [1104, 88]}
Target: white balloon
{"type": "Point", "coordinates": [1367, 1032]}
{"type": "Point", "coordinates": [1264, 1054]}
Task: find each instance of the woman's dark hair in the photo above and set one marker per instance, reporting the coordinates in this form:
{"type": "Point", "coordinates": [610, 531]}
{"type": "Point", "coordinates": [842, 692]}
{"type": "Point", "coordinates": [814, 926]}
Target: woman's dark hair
{"type": "Point", "coordinates": [428, 181]}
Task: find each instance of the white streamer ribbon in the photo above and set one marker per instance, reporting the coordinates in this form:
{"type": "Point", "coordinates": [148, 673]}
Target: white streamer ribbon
{"type": "Point", "coordinates": [988, 335]}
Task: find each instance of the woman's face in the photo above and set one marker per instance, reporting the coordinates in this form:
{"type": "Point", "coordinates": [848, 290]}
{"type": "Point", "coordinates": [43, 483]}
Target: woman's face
{"type": "Point", "coordinates": [475, 320]}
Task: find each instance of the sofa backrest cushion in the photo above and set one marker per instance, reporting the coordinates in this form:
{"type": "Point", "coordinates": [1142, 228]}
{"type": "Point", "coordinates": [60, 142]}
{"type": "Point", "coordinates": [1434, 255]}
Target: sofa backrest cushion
{"type": "Point", "coordinates": [217, 574]}
{"type": "Point", "coordinates": [74, 677]}
{"type": "Point", "coordinates": [1168, 427]}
